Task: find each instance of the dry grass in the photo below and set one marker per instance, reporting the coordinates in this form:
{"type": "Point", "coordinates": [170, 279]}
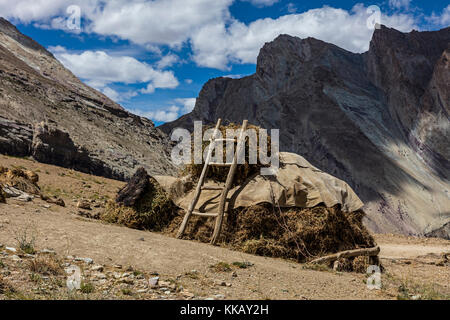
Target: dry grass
{"type": "Point", "coordinates": [46, 265]}
{"type": "Point", "coordinates": [153, 211]}
{"type": "Point", "coordinates": [24, 180]}
{"type": "Point", "coordinates": [5, 286]}
{"type": "Point", "coordinates": [219, 174]}
{"type": "Point", "coordinates": [26, 240]}
{"type": "Point", "coordinates": [221, 267]}
{"type": "Point", "coordinates": [300, 234]}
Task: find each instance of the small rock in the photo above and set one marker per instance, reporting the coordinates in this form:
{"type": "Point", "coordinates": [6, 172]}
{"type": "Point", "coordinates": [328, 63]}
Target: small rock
{"type": "Point", "coordinates": [46, 206]}
{"type": "Point", "coordinates": [58, 201]}
{"type": "Point", "coordinates": [188, 294]}
{"type": "Point", "coordinates": [141, 239]}
{"type": "Point", "coordinates": [98, 268]}
{"type": "Point", "coordinates": [84, 204]}
{"type": "Point", "coordinates": [167, 292]}
{"type": "Point", "coordinates": [47, 251]}
{"type": "Point", "coordinates": [85, 260]}
{"type": "Point", "coordinates": [219, 296]}
{"type": "Point", "coordinates": [234, 274]}
{"type": "Point", "coordinates": [25, 198]}
{"type": "Point", "coordinates": [16, 258]}
{"type": "Point", "coordinates": [220, 283]}
{"type": "Point", "coordinates": [100, 275]}
{"type": "Point", "coordinates": [142, 291]}
{"type": "Point", "coordinates": [11, 249]}
{"type": "Point", "coordinates": [416, 297]}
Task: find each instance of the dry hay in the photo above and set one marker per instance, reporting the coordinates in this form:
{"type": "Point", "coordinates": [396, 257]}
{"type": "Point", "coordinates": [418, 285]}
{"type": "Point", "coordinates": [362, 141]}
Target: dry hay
{"type": "Point", "coordinates": [219, 174]}
{"type": "Point", "coordinates": [293, 233]}
{"type": "Point", "coordinates": [23, 180]}
{"type": "Point", "coordinates": [300, 234]}
{"type": "Point", "coordinates": [152, 211]}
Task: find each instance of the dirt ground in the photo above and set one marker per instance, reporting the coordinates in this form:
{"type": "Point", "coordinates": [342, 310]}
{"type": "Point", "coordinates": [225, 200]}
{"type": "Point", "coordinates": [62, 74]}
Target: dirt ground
{"type": "Point", "coordinates": [125, 259]}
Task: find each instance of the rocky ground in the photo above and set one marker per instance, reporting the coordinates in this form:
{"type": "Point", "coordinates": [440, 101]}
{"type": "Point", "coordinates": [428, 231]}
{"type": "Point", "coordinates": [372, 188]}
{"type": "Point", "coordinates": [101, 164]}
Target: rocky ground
{"type": "Point", "coordinates": [40, 242]}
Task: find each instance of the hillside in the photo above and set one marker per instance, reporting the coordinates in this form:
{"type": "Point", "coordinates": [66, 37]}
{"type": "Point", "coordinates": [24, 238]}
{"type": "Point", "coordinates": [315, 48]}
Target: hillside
{"type": "Point", "coordinates": [48, 113]}
{"type": "Point", "coordinates": [377, 120]}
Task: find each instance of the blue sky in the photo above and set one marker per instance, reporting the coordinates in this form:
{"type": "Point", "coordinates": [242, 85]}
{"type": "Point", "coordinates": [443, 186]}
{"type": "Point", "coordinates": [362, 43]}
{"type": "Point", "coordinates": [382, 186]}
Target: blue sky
{"type": "Point", "coordinates": [153, 57]}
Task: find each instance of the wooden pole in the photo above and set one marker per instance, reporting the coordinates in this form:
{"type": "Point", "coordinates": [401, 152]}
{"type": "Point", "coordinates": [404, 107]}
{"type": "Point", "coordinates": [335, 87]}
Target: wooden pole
{"type": "Point", "coordinates": [347, 254]}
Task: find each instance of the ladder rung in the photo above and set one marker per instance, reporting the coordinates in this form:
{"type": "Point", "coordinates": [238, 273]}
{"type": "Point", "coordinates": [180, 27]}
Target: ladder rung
{"type": "Point", "coordinates": [220, 164]}
{"type": "Point", "coordinates": [234, 140]}
{"type": "Point", "coordinates": [204, 214]}
{"type": "Point", "coordinates": [212, 188]}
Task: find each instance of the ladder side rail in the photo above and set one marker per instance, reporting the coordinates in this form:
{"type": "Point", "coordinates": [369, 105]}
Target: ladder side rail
{"type": "Point", "coordinates": [229, 181]}
{"type": "Point", "coordinates": [198, 189]}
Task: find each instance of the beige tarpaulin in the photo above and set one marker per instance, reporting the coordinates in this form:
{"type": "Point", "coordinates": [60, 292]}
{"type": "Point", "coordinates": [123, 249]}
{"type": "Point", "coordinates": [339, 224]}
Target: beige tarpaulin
{"type": "Point", "coordinates": [296, 184]}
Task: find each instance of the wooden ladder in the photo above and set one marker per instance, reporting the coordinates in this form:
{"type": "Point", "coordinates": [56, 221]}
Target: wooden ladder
{"type": "Point", "coordinates": [223, 198]}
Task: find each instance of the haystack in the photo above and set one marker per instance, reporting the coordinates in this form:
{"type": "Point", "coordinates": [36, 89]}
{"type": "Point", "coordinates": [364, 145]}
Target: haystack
{"type": "Point", "coordinates": [219, 174]}
{"type": "Point", "coordinates": [300, 213]}
{"type": "Point", "coordinates": [23, 180]}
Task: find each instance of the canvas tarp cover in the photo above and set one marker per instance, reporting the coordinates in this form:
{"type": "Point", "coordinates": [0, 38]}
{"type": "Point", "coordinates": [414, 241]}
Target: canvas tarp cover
{"type": "Point", "coordinates": [296, 184]}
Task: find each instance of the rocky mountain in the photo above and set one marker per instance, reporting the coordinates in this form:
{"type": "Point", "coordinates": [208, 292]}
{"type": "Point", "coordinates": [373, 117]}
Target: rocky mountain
{"type": "Point", "coordinates": [48, 113]}
{"type": "Point", "coordinates": [378, 120]}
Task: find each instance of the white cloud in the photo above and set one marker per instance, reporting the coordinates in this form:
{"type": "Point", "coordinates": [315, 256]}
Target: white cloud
{"type": "Point", "coordinates": [233, 76]}
{"type": "Point", "coordinates": [217, 45]}
{"type": "Point", "coordinates": [32, 10]}
{"type": "Point", "coordinates": [167, 61]}
{"type": "Point", "coordinates": [442, 20]}
{"type": "Point", "coordinates": [399, 4]}
{"type": "Point", "coordinates": [261, 3]}
{"type": "Point", "coordinates": [188, 81]}
{"type": "Point", "coordinates": [187, 103]}
{"type": "Point", "coordinates": [169, 22]}
{"type": "Point", "coordinates": [162, 115]}
{"type": "Point", "coordinates": [181, 106]}
{"type": "Point", "coordinates": [291, 7]}
{"type": "Point", "coordinates": [117, 96]}
{"type": "Point", "coordinates": [100, 69]}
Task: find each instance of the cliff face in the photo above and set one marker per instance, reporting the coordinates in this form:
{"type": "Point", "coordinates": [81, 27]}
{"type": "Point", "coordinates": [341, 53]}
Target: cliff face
{"type": "Point", "coordinates": [48, 113]}
{"type": "Point", "coordinates": [378, 120]}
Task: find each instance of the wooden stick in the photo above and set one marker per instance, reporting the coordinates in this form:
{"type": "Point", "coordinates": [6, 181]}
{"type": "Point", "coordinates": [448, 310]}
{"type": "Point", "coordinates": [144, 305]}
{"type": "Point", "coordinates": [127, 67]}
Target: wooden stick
{"type": "Point", "coordinates": [347, 254]}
